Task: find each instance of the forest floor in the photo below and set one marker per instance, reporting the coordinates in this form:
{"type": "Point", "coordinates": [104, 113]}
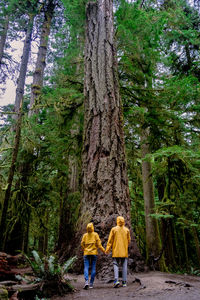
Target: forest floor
{"type": "Point", "coordinates": [140, 286]}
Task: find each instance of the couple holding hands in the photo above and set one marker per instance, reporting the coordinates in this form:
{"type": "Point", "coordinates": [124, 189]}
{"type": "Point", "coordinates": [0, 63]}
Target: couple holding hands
{"type": "Point", "coordinates": [119, 239]}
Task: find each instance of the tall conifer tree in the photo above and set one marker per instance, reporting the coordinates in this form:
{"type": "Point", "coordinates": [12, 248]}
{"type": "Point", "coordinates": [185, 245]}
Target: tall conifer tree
{"type": "Point", "coordinates": [105, 182]}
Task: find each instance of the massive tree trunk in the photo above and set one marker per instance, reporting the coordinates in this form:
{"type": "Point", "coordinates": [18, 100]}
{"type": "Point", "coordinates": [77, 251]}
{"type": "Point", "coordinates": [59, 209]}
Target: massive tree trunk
{"type": "Point", "coordinates": [38, 75]}
{"type": "Point", "coordinates": [153, 246]}
{"type": "Point", "coordinates": [105, 182]}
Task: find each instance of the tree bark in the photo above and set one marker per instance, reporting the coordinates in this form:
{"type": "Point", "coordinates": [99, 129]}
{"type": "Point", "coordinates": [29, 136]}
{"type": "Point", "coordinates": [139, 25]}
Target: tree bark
{"type": "Point", "coordinates": [18, 234]}
{"type": "Point", "coordinates": [9, 183]}
{"type": "Point", "coordinates": [69, 191]}
{"type": "Point", "coordinates": [105, 182]}
{"type": "Point", "coordinates": [197, 245]}
{"type": "Point", "coordinates": [186, 250]}
{"type": "Point", "coordinates": [170, 249]}
{"type": "Point", "coordinates": [18, 117]}
{"type": "Point", "coordinates": [38, 75]}
{"type": "Point", "coordinates": [153, 246]}
{"type": "Point", "coordinates": [3, 36]}
{"type": "Point", "coordinates": [23, 67]}
{"type": "Point", "coordinates": [177, 246]}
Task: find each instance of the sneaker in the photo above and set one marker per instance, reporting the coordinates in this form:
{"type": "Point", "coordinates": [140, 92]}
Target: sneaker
{"type": "Point", "coordinates": [86, 286]}
{"type": "Point", "coordinates": [124, 283]}
{"type": "Point", "coordinates": [116, 284]}
{"type": "Point", "coordinates": [91, 286]}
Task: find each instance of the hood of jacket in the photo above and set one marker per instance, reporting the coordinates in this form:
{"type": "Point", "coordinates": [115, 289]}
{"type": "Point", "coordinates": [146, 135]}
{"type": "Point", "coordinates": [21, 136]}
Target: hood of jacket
{"type": "Point", "coordinates": [90, 227]}
{"type": "Point", "coordinates": [120, 221]}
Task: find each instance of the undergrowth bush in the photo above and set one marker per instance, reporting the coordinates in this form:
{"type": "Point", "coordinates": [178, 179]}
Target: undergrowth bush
{"type": "Point", "coordinates": [50, 274]}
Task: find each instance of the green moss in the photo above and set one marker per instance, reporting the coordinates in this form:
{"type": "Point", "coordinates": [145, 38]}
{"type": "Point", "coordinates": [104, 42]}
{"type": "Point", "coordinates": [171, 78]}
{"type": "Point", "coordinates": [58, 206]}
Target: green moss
{"type": "Point", "coordinates": [36, 86]}
{"type": "Point", "coordinates": [3, 294]}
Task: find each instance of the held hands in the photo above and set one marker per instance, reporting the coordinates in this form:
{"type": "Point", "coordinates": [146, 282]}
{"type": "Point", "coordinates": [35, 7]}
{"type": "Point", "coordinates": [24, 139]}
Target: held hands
{"type": "Point", "coordinates": [105, 252]}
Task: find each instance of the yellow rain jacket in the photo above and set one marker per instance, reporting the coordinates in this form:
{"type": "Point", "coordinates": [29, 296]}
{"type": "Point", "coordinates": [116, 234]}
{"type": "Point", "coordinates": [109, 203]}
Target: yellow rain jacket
{"type": "Point", "coordinates": [91, 241]}
{"type": "Point", "coordinates": [119, 239]}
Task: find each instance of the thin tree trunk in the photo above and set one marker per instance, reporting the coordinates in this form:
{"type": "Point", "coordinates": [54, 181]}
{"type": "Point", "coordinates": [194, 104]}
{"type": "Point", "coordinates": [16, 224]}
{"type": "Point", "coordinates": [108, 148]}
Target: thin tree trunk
{"type": "Point", "coordinates": [3, 36]}
{"type": "Point", "coordinates": [66, 226]}
{"type": "Point", "coordinates": [38, 75]}
{"type": "Point", "coordinates": [172, 260]}
{"type": "Point", "coordinates": [64, 234]}
{"type": "Point", "coordinates": [24, 64]}
{"type": "Point", "coordinates": [15, 241]}
{"type": "Point", "coordinates": [41, 244]}
{"type": "Point", "coordinates": [105, 182]}
{"type": "Point", "coordinates": [153, 246]}
{"type": "Point", "coordinates": [185, 248]}
{"type": "Point", "coordinates": [26, 234]}
{"type": "Point", "coordinates": [43, 236]}
{"type": "Point", "coordinates": [18, 117]}
{"type": "Point", "coordinates": [46, 234]}
{"type": "Point", "coordinates": [197, 245]}
{"type": "Point", "coordinates": [177, 245]}
{"type": "Point", "coordinates": [9, 182]}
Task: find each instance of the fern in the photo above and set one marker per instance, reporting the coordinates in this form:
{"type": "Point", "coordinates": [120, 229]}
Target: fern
{"type": "Point", "coordinates": [51, 264]}
{"type": "Point", "coordinates": [38, 261]}
{"type": "Point", "coordinates": [68, 264]}
{"type": "Point", "coordinates": [32, 264]}
{"type": "Point", "coordinates": [48, 269]}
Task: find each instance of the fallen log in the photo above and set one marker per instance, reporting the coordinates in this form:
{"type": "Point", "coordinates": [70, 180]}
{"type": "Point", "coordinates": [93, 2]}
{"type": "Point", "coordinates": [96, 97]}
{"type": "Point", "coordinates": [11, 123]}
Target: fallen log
{"type": "Point", "coordinates": [23, 287]}
{"type": "Point", "coordinates": [23, 291]}
{"type": "Point", "coordinates": [6, 272]}
{"type": "Point", "coordinates": [7, 282]}
{"type": "Point", "coordinates": [7, 275]}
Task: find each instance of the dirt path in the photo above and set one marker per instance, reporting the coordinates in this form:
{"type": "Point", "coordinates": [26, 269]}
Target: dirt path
{"type": "Point", "coordinates": [140, 286]}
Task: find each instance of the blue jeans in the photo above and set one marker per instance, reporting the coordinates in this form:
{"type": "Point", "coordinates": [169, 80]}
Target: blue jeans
{"type": "Point", "coordinates": [90, 260]}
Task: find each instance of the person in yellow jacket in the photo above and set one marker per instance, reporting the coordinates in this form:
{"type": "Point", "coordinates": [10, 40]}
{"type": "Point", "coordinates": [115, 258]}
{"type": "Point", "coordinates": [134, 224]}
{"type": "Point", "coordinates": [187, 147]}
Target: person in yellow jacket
{"type": "Point", "coordinates": [90, 244]}
{"type": "Point", "coordinates": [119, 239]}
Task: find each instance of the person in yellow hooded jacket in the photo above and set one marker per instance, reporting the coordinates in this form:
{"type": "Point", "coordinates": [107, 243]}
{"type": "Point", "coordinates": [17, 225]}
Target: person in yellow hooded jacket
{"type": "Point", "coordinates": [90, 244]}
{"type": "Point", "coordinates": [119, 239]}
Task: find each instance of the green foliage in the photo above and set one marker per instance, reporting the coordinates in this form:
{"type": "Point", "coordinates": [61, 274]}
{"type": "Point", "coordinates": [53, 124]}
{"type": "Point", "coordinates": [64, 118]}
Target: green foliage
{"type": "Point", "coordinates": [48, 268]}
{"type": "Point", "coordinates": [75, 13]}
{"type": "Point", "coordinates": [22, 7]}
{"type": "Point", "coordinates": [48, 271]}
{"type": "Point", "coordinates": [37, 298]}
{"type": "Point", "coordinates": [158, 63]}
{"type": "Point", "coordinates": [161, 216]}
{"type": "Point", "coordinates": [195, 271]}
